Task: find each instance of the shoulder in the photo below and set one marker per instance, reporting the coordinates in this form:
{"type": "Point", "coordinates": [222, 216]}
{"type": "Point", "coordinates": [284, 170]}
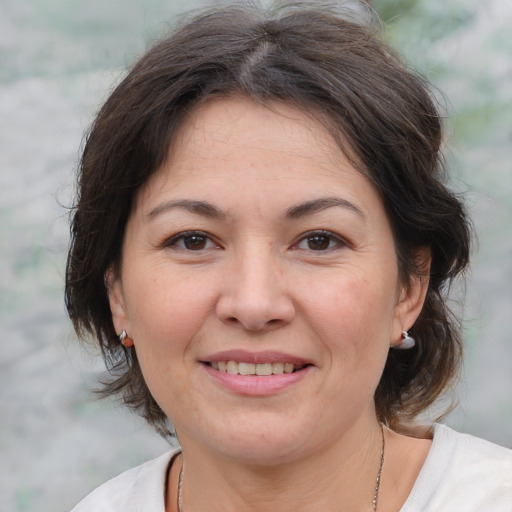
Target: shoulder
{"type": "Point", "coordinates": [463, 472]}
{"type": "Point", "coordinates": [139, 489]}
{"type": "Point", "coordinates": [471, 456]}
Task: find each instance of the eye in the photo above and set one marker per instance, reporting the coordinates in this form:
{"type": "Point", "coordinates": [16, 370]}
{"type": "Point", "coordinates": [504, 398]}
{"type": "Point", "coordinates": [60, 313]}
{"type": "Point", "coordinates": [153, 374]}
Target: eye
{"type": "Point", "coordinates": [320, 241]}
{"type": "Point", "coordinates": [191, 241]}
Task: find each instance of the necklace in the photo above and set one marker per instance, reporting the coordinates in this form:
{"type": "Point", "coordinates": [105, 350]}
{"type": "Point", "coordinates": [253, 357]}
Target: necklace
{"type": "Point", "coordinates": [379, 473]}
{"type": "Point", "coordinates": [375, 495]}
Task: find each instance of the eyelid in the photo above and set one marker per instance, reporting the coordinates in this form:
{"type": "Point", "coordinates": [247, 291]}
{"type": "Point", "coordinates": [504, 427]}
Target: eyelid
{"type": "Point", "coordinates": [340, 241]}
{"type": "Point", "coordinates": [171, 242]}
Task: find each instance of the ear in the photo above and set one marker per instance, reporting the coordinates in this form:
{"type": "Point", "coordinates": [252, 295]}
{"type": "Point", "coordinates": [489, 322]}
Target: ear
{"type": "Point", "coordinates": [117, 301]}
{"type": "Point", "coordinates": [411, 296]}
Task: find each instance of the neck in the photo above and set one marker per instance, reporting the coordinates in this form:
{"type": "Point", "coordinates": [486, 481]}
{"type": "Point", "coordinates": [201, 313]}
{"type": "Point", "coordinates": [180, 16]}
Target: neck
{"type": "Point", "coordinates": [341, 478]}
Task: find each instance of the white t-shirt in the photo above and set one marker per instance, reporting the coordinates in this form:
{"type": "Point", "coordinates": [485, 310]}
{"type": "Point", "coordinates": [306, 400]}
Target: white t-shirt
{"type": "Point", "coordinates": [461, 474]}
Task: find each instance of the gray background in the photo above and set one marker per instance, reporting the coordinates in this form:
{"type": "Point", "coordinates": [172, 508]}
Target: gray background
{"type": "Point", "coordinates": [58, 61]}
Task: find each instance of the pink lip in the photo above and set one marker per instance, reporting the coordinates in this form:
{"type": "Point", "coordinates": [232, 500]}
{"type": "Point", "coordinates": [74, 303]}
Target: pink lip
{"type": "Point", "coordinates": [245, 356]}
{"type": "Point", "coordinates": [255, 385]}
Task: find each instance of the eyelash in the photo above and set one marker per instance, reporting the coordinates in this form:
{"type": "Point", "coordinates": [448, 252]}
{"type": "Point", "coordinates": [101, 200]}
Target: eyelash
{"type": "Point", "coordinates": [181, 237]}
{"type": "Point", "coordinates": [331, 238]}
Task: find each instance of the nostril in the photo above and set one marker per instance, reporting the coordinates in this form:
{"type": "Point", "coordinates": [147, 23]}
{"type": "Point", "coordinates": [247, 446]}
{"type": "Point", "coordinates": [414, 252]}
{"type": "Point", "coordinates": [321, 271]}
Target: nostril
{"type": "Point", "coordinates": [253, 311]}
{"type": "Point", "coordinates": [252, 324]}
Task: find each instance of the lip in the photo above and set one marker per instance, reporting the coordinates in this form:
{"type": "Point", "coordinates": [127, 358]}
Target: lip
{"type": "Point", "coordinates": [256, 385]}
{"type": "Point", "coordinates": [244, 356]}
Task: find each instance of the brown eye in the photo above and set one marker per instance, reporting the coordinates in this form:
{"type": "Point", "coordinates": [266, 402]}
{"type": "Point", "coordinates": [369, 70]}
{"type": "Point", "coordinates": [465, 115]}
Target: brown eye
{"type": "Point", "coordinates": [191, 241]}
{"type": "Point", "coordinates": [195, 242]}
{"type": "Point", "coordinates": [318, 242]}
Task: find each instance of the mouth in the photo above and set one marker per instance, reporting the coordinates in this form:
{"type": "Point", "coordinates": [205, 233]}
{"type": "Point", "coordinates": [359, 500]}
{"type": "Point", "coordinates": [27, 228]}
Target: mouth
{"type": "Point", "coordinates": [259, 369]}
{"type": "Point", "coordinates": [262, 373]}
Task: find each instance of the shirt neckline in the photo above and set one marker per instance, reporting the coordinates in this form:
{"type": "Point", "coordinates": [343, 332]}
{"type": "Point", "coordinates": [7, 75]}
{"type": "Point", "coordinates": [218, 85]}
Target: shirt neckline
{"type": "Point", "coordinates": [432, 471]}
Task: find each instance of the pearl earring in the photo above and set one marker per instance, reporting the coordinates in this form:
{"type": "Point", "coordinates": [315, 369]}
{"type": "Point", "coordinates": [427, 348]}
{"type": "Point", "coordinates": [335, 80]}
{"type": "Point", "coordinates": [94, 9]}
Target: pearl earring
{"type": "Point", "coordinates": [407, 341]}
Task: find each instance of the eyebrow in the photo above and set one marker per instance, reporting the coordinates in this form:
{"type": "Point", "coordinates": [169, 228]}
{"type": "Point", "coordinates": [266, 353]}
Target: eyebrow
{"type": "Point", "coordinates": [320, 204]}
{"type": "Point", "coordinates": [199, 207]}
{"type": "Point", "coordinates": [294, 212]}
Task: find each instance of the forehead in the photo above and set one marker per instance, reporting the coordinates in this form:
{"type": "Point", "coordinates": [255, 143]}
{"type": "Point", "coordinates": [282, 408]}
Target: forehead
{"type": "Point", "coordinates": [237, 152]}
{"type": "Point", "coordinates": [221, 127]}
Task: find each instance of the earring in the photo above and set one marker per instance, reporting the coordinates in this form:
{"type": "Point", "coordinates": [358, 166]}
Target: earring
{"type": "Point", "coordinates": [124, 340]}
{"type": "Point", "coordinates": [407, 341]}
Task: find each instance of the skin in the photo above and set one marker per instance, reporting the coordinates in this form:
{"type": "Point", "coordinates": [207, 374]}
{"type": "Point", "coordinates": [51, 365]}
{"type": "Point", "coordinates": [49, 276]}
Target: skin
{"type": "Point", "coordinates": [264, 270]}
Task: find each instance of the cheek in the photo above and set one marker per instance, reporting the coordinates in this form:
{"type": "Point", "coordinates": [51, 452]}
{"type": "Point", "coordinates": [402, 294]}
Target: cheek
{"type": "Point", "coordinates": [166, 310]}
{"type": "Point", "coordinates": [166, 315]}
{"type": "Point", "coordinates": [352, 314]}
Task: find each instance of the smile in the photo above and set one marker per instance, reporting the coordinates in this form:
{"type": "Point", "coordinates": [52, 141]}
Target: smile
{"type": "Point", "coordinates": [261, 369]}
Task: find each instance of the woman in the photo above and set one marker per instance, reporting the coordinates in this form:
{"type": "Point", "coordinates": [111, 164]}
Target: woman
{"type": "Point", "coordinates": [262, 245]}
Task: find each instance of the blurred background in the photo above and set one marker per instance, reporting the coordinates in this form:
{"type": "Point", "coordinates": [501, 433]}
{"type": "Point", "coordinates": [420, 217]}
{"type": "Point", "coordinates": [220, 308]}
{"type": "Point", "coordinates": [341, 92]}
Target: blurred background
{"type": "Point", "coordinates": [58, 61]}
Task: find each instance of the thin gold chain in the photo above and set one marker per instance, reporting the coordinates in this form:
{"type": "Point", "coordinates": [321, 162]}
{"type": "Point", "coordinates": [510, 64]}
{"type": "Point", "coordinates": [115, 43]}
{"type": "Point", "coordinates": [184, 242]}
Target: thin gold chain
{"type": "Point", "coordinates": [379, 473]}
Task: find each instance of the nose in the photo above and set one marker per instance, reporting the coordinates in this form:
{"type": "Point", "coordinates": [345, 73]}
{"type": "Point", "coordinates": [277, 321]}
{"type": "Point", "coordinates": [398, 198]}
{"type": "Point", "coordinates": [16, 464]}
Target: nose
{"type": "Point", "coordinates": [254, 294]}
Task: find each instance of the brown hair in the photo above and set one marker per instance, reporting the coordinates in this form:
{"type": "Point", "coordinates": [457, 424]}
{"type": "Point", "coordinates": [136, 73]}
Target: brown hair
{"type": "Point", "coordinates": [324, 62]}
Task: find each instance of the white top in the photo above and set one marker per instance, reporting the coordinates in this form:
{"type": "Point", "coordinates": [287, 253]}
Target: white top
{"type": "Point", "coordinates": [461, 474]}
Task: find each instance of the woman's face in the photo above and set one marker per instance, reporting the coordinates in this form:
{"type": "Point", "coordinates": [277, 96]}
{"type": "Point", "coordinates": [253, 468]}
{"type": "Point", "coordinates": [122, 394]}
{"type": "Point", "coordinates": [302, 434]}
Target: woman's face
{"type": "Point", "coordinates": [258, 249]}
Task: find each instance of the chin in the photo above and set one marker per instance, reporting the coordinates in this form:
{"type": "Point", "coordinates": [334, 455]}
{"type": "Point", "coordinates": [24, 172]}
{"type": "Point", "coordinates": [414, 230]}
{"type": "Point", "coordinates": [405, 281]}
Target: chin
{"type": "Point", "coordinates": [270, 439]}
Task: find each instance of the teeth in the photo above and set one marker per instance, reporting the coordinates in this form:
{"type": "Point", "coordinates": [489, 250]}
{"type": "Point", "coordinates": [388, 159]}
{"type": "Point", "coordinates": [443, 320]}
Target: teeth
{"type": "Point", "coordinates": [246, 368]}
{"type": "Point", "coordinates": [264, 369]}
{"type": "Point", "coordinates": [241, 368]}
{"type": "Point", "coordinates": [277, 368]}
{"type": "Point", "coordinates": [232, 368]}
